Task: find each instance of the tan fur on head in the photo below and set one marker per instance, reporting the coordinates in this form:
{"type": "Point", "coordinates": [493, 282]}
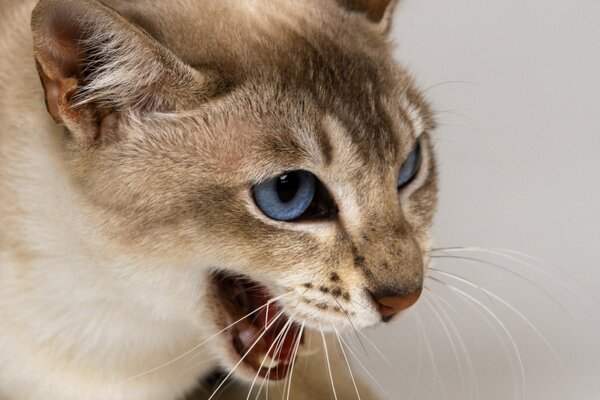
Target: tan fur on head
{"type": "Point", "coordinates": [115, 211]}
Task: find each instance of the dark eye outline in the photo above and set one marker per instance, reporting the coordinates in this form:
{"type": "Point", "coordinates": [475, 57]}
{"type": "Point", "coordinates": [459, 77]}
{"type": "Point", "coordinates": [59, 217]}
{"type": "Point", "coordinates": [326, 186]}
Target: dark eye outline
{"type": "Point", "coordinates": [411, 166]}
{"type": "Point", "coordinates": [321, 205]}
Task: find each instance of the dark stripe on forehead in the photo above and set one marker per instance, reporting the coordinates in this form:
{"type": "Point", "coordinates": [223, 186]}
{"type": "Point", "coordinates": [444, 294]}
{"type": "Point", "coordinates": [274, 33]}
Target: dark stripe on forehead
{"type": "Point", "coordinates": [375, 142]}
{"type": "Point", "coordinates": [324, 144]}
{"type": "Point", "coordinates": [349, 86]}
{"type": "Point", "coordinates": [346, 83]}
{"type": "Point", "coordinates": [346, 79]}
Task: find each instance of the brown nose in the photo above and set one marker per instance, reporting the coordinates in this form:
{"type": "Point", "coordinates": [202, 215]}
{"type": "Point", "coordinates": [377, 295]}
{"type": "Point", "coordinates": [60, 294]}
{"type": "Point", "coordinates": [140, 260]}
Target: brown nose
{"type": "Point", "coordinates": [388, 306]}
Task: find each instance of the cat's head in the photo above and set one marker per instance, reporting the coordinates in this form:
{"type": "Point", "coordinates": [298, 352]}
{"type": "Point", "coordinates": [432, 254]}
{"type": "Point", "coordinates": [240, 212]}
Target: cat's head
{"type": "Point", "coordinates": [273, 147]}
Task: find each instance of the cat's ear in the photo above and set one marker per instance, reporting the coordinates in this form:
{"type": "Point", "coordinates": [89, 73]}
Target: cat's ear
{"type": "Point", "coordinates": [95, 65]}
{"type": "Point", "coordinates": [380, 12]}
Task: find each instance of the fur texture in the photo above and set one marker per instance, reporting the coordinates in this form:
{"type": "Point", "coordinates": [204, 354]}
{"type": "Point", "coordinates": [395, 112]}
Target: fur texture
{"type": "Point", "coordinates": [125, 181]}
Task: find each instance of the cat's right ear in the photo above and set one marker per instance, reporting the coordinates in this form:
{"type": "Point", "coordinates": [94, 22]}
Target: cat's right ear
{"type": "Point", "coordinates": [95, 65]}
{"type": "Point", "coordinates": [379, 12]}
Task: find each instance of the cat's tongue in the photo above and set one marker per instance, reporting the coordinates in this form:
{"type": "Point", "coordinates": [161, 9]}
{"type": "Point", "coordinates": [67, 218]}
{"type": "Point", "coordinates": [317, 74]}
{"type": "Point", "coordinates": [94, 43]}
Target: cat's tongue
{"type": "Point", "coordinates": [267, 339]}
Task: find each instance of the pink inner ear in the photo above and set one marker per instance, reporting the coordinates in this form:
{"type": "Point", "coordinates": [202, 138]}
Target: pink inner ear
{"type": "Point", "coordinates": [60, 65]}
{"type": "Point", "coordinates": [66, 49]}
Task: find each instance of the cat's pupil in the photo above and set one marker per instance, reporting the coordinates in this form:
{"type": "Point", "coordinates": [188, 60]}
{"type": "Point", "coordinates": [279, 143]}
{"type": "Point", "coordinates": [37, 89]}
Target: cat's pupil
{"type": "Point", "coordinates": [287, 187]}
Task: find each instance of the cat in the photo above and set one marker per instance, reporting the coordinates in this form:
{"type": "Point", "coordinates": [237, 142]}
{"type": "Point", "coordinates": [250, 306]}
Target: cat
{"type": "Point", "coordinates": [187, 186]}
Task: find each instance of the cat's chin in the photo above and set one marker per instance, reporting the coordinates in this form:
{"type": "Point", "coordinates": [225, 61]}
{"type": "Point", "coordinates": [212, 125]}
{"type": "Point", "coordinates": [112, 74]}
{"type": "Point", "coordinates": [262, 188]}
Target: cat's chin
{"type": "Point", "coordinates": [263, 341]}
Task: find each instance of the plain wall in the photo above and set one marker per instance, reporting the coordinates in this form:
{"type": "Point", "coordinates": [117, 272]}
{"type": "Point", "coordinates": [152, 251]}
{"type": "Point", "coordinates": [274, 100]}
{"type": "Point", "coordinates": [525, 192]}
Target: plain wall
{"type": "Point", "coordinates": [516, 87]}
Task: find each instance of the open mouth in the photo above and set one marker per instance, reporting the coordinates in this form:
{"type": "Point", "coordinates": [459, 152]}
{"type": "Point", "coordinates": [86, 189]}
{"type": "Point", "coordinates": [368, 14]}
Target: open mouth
{"type": "Point", "coordinates": [262, 336]}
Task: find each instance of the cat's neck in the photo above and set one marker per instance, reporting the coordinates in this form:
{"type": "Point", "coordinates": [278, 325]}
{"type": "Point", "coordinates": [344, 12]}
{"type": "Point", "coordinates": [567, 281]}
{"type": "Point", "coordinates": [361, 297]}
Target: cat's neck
{"type": "Point", "coordinates": [65, 275]}
{"type": "Point", "coordinates": [59, 272]}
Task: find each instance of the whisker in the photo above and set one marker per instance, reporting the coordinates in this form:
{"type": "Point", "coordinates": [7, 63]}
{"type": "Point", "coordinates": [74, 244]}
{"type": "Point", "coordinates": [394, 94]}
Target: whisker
{"type": "Point", "coordinates": [490, 250]}
{"type": "Point", "coordinates": [179, 357]}
{"type": "Point", "coordinates": [351, 323]}
{"type": "Point", "coordinates": [451, 341]}
{"type": "Point", "coordinates": [227, 386]}
{"type": "Point", "coordinates": [265, 359]}
{"type": "Point", "coordinates": [437, 377]}
{"type": "Point", "coordinates": [337, 335]}
{"type": "Point", "coordinates": [433, 269]}
{"type": "Point", "coordinates": [509, 306]}
{"type": "Point", "coordinates": [388, 362]}
{"type": "Point", "coordinates": [279, 348]}
{"type": "Point", "coordinates": [278, 342]}
{"type": "Point", "coordinates": [286, 380]}
{"type": "Point", "coordinates": [294, 356]}
{"type": "Point", "coordinates": [246, 354]}
{"type": "Point", "coordinates": [196, 365]}
{"type": "Point", "coordinates": [308, 346]}
{"type": "Point", "coordinates": [511, 256]}
{"type": "Point", "coordinates": [439, 300]}
{"type": "Point", "coordinates": [328, 364]}
{"type": "Point", "coordinates": [413, 390]}
{"type": "Point", "coordinates": [492, 327]}
{"type": "Point", "coordinates": [511, 272]}
{"type": "Point", "coordinates": [522, 316]}
{"type": "Point", "coordinates": [499, 322]}
{"type": "Point", "coordinates": [362, 366]}
{"type": "Point", "coordinates": [449, 83]}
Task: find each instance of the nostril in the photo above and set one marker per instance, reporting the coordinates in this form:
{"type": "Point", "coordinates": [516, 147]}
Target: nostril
{"type": "Point", "coordinates": [391, 305]}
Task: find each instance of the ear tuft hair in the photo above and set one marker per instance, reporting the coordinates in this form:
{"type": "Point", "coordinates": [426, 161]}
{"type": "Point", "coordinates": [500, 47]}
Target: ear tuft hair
{"type": "Point", "coordinates": [91, 59]}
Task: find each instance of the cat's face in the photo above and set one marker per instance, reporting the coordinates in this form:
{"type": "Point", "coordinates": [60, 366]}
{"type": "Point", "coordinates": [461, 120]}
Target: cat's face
{"type": "Point", "coordinates": [320, 120]}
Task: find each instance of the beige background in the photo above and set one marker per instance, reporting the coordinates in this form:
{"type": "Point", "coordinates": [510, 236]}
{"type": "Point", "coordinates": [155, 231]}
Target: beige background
{"type": "Point", "coordinates": [517, 86]}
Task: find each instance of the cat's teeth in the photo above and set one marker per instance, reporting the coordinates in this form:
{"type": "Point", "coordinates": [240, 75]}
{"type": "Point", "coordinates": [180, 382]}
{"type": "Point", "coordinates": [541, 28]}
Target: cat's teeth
{"type": "Point", "coordinates": [268, 362]}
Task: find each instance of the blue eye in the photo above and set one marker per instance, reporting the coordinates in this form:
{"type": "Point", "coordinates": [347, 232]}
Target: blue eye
{"type": "Point", "coordinates": [286, 197]}
{"type": "Point", "coordinates": [410, 167]}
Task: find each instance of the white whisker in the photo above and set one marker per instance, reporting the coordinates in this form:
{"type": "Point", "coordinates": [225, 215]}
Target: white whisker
{"type": "Point", "coordinates": [511, 272]}
{"type": "Point", "coordinates": [437, 376]}
{"type": "Point", "coordinates": [279, 348]}
{"type": "Point", "coordinates": [510, 307]}
{"type": "Point", "coordinates": [337, 335]}
{"type": "Point", "coordinates": [246, 354]}
{"type": "Point", "coordinates": [413, 390]}
{"type": "Point", "coordinates": [438, 300]}
{"type": "Point", "coordinates": [510, 255]}
{"type": "Point", "coordinates": [492, 327]}
{"type": "Point", "coordinates": [179, 357]}
{"type": "Point", "coordinates": [265, 359]}
{"type": "Point", "coordinates": [362, 366]}
{"type": "Point", "coordinates": [328, 364]}
{"type": "Point", "coordinates": [451, 341]}
{"type": "Point", "coordinates": [524, 318]}
{"type": "Point", "coordinates": [501, 324]}
{"type": "Point", "coordinates": [388, 362]}
{"type": "Point", "coordinates": [294, 356]}
{"type": "Point", "coordinates": [351, 323]}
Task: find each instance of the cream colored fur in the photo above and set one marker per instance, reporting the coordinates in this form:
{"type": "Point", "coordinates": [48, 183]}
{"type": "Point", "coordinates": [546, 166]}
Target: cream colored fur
{"type": "Point", "coordinates": [104, 275]}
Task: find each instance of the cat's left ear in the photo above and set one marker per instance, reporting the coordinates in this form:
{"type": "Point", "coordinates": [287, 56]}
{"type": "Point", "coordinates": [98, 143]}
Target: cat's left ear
{"type": "Point", "coordinates": [380, 12]}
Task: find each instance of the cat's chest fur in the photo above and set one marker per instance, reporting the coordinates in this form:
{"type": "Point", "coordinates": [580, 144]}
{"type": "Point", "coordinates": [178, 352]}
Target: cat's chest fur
{"type": "Point", "coordinates": [143, 151]}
